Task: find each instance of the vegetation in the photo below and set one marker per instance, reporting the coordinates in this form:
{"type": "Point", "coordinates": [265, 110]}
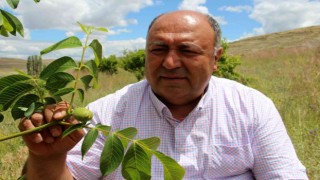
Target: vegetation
{"type": "Point", "coordinates": [133, 61]}
{"type": "Point", "coordinates": [227, 65]}
{"type": "Point", "coordinates": [288, 73]}
{"type": "Point", "coordinates": [109, 65]}
{"type": "Point", "coordinates": [34, 65]}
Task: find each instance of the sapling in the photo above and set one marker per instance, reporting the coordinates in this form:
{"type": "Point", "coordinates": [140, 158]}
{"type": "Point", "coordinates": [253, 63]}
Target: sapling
{"type": "Point", "coordinates": [24, 94]}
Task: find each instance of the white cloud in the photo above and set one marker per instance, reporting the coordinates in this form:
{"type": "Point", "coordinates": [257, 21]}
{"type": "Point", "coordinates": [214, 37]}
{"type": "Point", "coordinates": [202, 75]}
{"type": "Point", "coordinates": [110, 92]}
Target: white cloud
{"type": "Point", "coordinates": [198, 5]}
{"type": "Point", "coordinates": [70, 33]}
{"type": "Point", "coordinates": [63, 15]}
{"type": "Point", "coordinates": [117, 47]}
{"type": "Point", "coordinates": [237, 9]}
{"type": "Point", "coordinates": [24, 48]}
{"type": "Point", "coordinates": [275, 15]}
{"type": "Point", "coordinates": [195, 5]}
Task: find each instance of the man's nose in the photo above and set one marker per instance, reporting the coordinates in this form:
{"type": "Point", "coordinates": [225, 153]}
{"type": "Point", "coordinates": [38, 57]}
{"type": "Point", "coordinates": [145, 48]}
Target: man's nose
{"type": "Point", "coordinates": [171, 60]}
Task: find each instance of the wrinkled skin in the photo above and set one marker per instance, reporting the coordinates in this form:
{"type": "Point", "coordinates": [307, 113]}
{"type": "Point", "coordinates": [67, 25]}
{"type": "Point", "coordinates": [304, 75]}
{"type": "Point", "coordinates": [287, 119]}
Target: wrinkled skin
{"type": "Point", "coordinates": [180, 59]}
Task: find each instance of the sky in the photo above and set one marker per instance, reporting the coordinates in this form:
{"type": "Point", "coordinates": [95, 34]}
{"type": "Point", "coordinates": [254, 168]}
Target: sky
{"type": "Point", "coordinates": [50, 21]}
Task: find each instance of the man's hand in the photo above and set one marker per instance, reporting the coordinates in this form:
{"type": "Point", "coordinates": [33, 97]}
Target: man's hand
{"type": "Point", "coordinates": [47, 147]}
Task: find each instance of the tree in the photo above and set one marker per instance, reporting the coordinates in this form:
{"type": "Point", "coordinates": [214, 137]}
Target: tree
{"type": "Point", "coordinates": [227, 65]}
{"type": "Point", "coordinates": [133, 61]}
{"type": "Point", "coordinates": [109, 65]}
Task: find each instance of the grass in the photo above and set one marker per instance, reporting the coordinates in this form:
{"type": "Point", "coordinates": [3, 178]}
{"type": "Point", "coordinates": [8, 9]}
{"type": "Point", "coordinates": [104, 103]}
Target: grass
{"type": "Point", "coordinates": [292, 80]}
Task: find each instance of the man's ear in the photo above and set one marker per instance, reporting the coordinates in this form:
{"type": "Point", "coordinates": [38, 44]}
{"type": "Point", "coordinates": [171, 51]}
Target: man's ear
{"type": "Point", "coordinates": [217, 53]}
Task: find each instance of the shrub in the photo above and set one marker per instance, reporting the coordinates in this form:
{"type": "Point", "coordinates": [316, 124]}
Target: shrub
{"type": "Point", "coordinates": [109, 65]}
{"type": "Point", "coordinates": [133, 61]}
{"type": "Point", "coordinates": [227, 65]}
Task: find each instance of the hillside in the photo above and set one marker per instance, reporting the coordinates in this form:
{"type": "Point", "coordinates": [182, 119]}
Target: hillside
{"type": "Point", "coordinates": [8, 65]}
{"type": "Point", "coordinates": [297, 40]}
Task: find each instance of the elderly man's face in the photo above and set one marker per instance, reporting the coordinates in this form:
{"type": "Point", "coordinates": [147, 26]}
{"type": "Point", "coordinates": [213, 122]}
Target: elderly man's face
{"type": "Point", "coordinates": [180, 57]}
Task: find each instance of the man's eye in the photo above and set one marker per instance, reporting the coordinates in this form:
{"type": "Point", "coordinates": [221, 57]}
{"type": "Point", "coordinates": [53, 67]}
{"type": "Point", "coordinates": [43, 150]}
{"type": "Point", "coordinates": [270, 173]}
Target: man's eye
{"type": "Point", "coordinates": [189, 52]}
{"type": "Point", "coordinates": [158, 50]}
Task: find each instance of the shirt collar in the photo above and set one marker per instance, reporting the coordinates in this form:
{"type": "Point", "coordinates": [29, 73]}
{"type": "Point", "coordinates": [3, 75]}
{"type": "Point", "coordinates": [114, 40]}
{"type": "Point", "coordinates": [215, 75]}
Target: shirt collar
{"type": "Point", "coordinates": [161, 108]}
{"type": "Point", "coordinates": [156, 102]}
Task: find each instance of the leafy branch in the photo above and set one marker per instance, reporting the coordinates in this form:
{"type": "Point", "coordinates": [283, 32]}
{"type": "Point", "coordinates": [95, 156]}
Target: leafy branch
{"type": "Point", "coordinates": [25, 94]}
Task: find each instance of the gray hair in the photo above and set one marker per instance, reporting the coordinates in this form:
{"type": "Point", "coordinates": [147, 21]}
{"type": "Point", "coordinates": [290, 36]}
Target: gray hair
{"type": "Point", "coordinates": [213, 23]}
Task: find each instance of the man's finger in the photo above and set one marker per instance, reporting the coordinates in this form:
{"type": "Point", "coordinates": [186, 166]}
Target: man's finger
{"type": "Point", "coordinates": [48, 138]}
{"type": "Point", "coordinates": [37, 119]}
{"type": "Point", "coordinates": [48, 112]}
{"type": "Point", "coordinates": [26, 124]}
{"type": "Point", "coordinates": [55, 130]}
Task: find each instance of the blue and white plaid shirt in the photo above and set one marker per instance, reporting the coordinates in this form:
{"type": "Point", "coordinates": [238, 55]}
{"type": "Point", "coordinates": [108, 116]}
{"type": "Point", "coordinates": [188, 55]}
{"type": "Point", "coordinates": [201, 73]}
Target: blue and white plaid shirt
{"type": "Point", "coordinates": [235, 132]}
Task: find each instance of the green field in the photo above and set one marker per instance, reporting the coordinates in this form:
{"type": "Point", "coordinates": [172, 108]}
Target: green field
{"type": "Point", "coordinates": [288, 74]}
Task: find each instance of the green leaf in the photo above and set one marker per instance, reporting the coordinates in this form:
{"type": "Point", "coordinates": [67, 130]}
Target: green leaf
{"type": "Point", "coordinates": [63, 91]}
{"type": "Point", "coordinates": [149, 144]}
{"type": "Point", "coordinates": [11, 79]}
{"type": "Point", "coordinates": [86, 29]}
{"type": "Point", "coordinates": [126, 135]}
{"type": "Point", "coordinates": [30, 110]}
{"type": "Point", "coordinates": [58, 65]}
{"type": "Point", "coordinates": [104, 129]}
{"type": "Point", "coordinates": [36, 1]}
{"type": "Point", "coordinates": [7, 25]}
{"type": "Point", "coordinates": [23, 102]}
{"type": "Point", "coordinates": [70, 42]}
{"type": "Point", "coordinates": [1, 117]}
{"type": "Point", "coordinates": [81, 94]}
{"type": "Point", "coordinates": [97, 50]}
{"type": "Point", "coordinates": [13, 3]}
{"type": "Point", "coordinates": [93, 69]}
{"type": "Point", "coordinates": [112, 155]}
{"type": "Point", "coordinates": [132, 173]}
{"type": "Point", "coordinates": [152, 142]}
{"type": "Point", "coordinates": [72, 128]}
{"type": "Point", "coordinates": [86, 81]}
{"type": "Point", "coordinates": [102, 29]}
{"type": "Point", "coordinates": [171, 169]}
{"type": "Point", "coordinates": [1, 20]}
{"type": "Point", "coordinates": [59, 80]}
{"type": "Point", "coordinates": [14, 22]}
{"type": "Point", "coordinates": [136, 158]}
{"type": "Point", "coordinates": [3, 32]}
{"type": "Point", "coordinates": [49, 100]}
{"type": "Point", "coordinates": [9, 94]}
{"type": "Point", "coordinates": [88, 141]}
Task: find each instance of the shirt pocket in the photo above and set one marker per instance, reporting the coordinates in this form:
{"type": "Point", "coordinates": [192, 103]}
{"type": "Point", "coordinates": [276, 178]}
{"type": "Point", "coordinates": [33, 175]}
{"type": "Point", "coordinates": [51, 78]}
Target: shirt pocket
{"type": "Point", "coordinates": [225, 161]}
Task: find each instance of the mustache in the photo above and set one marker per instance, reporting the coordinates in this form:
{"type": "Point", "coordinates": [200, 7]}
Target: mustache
{"type": "Point", "coordinates": [178, 72]}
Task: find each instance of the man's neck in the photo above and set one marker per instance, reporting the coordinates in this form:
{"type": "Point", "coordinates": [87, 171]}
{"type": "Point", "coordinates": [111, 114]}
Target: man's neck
{"type": "Point", "coordinates": [180, 112]}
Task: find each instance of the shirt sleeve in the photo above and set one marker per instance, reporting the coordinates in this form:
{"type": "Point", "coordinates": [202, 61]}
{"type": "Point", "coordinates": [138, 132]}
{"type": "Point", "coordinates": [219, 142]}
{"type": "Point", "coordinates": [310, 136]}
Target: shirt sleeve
{"type": "Point", "coordinates": [274, 154]}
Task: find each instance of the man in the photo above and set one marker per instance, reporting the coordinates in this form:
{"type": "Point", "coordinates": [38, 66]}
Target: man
{"type": "Point", "coordinates": [215, 128]}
